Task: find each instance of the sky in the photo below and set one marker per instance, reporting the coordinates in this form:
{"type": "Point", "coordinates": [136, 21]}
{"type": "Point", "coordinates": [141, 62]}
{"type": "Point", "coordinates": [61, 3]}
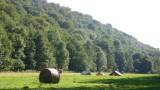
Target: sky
{"type": "Point", "coordinates": [139, 18]}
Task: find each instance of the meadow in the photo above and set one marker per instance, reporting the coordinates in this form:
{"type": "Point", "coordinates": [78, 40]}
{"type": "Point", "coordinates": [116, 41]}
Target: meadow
{"type": "Point", "coordinates": [75, 81]}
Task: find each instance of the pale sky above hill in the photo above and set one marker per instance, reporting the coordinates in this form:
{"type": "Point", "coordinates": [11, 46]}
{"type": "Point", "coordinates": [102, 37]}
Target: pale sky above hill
{"type": "Point", "coordinates": [139, 18]}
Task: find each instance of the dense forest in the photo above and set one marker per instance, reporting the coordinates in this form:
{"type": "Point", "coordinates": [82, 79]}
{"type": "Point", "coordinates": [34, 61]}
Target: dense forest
{"type": "Point", "coordinates": [35, 34]}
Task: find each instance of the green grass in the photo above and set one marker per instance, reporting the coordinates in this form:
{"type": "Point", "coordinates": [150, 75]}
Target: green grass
{"type": "Point", "coordinates": [75, 81]}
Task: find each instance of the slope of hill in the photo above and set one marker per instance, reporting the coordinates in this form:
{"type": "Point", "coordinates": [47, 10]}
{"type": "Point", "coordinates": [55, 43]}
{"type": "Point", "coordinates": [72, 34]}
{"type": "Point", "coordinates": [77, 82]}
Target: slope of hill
{"type": "Point", "coordinates": [35, 34]}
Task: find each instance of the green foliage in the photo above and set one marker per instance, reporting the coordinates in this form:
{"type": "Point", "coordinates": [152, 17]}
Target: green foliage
{"type": "Point", "coordinates": [62, 56]}
{"type": "Point", "coordinates": [44, 56]}
{"type": "Point", "coordinates": [67, 24]}
{"type": "Point", "coordinates": [142, 63]}
{"type": "Point", "coordinates": [5, 51]}
{"type": "Point", "coordinates": [30, 51]}
{"type": "Point", "coordinates": [117, 44]}
{"type": "Point", "coordinates": [17, 65]}
{"type": "Point", "coordinates": [129, 62]}
{"type": "Point", "coordinates": [35, 34]}
{"type": "Point", "coordinates": [120, 61]}
{"type": "Point", "coordinates": [111, 64]}
{"type": "Point", "coordinates": [78, 57]}
{"type": "Point", "coordinates": [101, 60]}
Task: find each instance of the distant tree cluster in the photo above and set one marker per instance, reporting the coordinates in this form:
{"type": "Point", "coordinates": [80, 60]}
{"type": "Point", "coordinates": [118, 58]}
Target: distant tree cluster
{"type": "Point", "coordinates": [35, 34]}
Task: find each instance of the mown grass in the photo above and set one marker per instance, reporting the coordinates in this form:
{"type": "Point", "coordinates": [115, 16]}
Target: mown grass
{"type": "Point", "coordinates": [75, 81]}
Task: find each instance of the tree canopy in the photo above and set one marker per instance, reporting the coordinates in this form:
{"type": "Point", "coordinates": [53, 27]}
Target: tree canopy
{"type": "Point", "coordinates": [35, 34]}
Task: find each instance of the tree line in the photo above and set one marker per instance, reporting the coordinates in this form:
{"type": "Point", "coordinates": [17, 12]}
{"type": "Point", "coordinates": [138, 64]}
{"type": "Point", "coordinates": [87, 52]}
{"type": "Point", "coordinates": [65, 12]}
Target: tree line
{"type": "Point", "coordinates": [35, 34]}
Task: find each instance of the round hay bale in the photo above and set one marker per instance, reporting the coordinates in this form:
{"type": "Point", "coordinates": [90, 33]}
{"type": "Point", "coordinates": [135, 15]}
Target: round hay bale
{"type": "Point", "coordinates": [49, 75]}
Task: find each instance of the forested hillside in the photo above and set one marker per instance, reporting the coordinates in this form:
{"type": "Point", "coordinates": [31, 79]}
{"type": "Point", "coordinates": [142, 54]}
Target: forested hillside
{"type": "Point", "coordinates": [35, 34]}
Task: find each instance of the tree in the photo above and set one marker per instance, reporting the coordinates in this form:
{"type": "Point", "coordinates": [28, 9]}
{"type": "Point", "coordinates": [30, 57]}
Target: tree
{"type": "Point", "coordinates": [120, 58]}
{"type": "Point", "coordinates": [18, 65]}
{"type": "Point", "coordinates": [78, 59]}
{"type": "Point", "coordinates": [129, 62]}
{"type": "Point", "coordinates": [5, 51]}
{"type": "Point", "coordinates": [62, 56]}
{"type": "Point", "coordinates": [142, 63]}
{"type": "Point", "coordinates": [101, 60]}
{"type": "Point", "coordinates": [44, 55]}
{"type": "Point", "coordinates": [120, 61]}
{"type": "Point", "coordinates": [67, 24]}
{"type": "Point", "coordinates": [18, 47]}
{"type": "Point", "coordinates": [117, 44]}
{"type": "Point", "coordinates": [146, 66]}
{"type": "Point", "coordinates": [37, 35]}
{"type": "Point", "coordinates": [90, 50]}
{"type": "Point", "coordinates": [30, 51]}
{"type": "Point", "coordinates": [111, 64]}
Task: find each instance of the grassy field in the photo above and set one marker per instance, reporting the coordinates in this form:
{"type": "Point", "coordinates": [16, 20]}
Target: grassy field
{"type": "Point", "coordinates": [75, 81]}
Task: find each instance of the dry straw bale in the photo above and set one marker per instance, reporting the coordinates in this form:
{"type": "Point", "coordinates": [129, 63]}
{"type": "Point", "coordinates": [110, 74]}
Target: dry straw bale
{"type": "Point", "coordinates": [49, 75]}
